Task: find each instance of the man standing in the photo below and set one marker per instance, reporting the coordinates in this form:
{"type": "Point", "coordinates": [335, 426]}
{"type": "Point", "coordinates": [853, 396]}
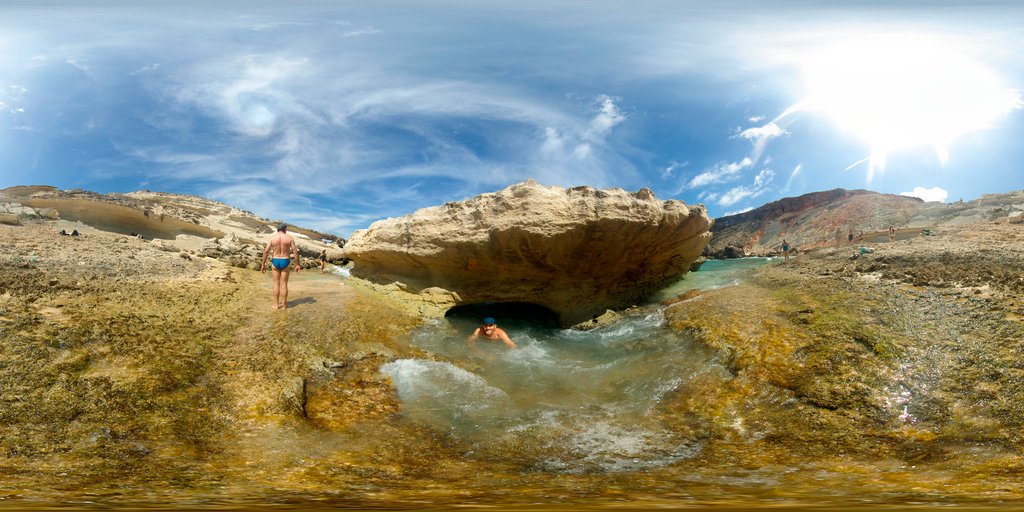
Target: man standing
{"type": "Point", "coordinates": [489, 331]}
{"type": "Point", "coordinates": [282, 245]}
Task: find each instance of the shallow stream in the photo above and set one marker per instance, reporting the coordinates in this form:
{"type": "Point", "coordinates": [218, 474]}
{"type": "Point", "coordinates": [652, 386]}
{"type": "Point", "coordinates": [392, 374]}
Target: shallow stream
{"type": "Point", "coordinates": [569, 401]}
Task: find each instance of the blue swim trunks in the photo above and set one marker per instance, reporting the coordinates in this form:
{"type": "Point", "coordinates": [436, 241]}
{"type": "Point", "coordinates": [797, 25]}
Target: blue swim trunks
{"type": "Point", "coordinates": [280, 263]}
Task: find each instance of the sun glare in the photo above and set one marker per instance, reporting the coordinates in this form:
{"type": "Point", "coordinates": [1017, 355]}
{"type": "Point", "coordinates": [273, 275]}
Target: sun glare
{"type": "Point", "coordinates": [898, 93]}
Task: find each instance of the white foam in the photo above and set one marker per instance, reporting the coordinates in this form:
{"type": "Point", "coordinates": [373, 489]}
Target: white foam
{"type": "Point", "coordinates": [608, 445]}
{"type": "Point", "coordinates": [442, 393]}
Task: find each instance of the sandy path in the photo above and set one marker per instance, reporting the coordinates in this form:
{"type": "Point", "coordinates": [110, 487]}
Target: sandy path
{"type": "Point", "coordinates": [309, 291]}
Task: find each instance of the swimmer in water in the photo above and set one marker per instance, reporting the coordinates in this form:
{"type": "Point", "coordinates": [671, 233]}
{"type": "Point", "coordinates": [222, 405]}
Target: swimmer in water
{"type": "Point", "coordinates": [489, 331]}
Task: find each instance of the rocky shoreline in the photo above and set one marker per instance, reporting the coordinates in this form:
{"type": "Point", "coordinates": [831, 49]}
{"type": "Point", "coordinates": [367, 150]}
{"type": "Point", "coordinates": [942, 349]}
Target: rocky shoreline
{"type": "Point", "coordinates": [134, 374]}
{"type": "Point", "coordinates": [912, 351]}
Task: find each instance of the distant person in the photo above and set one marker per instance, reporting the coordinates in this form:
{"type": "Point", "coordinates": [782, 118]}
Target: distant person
{"type": "Point", "coordinates": [892, 234]}
{"type": "Point", "coordinates": [283, 247]}
{"type": "Point", "coordinates": [74, 232]}
{"type": "Point", "coordinates": [323, 261]}
{"type": "Point", "coordinates": [849, 237]}
{"type": "Point", "coordinates": [785, 251]}
{"type": "Point", "coordinates": [63, 232]}
{"type": "Point", "coordinates": [489, 331]}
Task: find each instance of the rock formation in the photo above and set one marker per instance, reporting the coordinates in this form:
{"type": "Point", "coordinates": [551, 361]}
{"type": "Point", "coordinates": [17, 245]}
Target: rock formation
{"type": "Point", "coordinates": [172, 222]}
{"type": "Point", "coordinates": [577, 251]}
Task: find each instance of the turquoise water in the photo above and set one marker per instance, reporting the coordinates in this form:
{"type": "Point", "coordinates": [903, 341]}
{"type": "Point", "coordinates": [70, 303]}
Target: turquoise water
{"type": "Point", "coordinates": [568, 400]}
{"type": "Point", "coordinates": [712, 274]}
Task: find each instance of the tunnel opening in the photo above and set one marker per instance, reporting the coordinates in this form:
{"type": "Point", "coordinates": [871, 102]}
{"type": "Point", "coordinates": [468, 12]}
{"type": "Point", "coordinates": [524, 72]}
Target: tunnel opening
{"type": "Point", "coordinates": [506, 313]}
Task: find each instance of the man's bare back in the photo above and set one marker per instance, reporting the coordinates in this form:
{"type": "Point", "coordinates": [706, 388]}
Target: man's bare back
{"type": "Point", "coordinates": [282, 246]}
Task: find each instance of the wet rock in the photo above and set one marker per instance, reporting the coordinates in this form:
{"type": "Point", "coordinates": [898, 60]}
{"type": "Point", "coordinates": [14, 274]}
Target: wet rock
{"type": "Point", "coordinates": [609, 317]}
{"type": "Point", "coordinates": [731, 251]}
{"type": "Point", "coordinates": [293, 395]}
{"type": "Point", "coordinates": [697, 263]}
{"type": "Point", "coordinates": [689, 294]}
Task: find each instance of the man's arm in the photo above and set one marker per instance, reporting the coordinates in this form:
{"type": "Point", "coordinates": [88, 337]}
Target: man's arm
{"type": "Point", "coordinates": [295, 251]}
{"type": "Point", "coordinates": [263, 264]}
{"type": "Point", "coordinates": [471, 341]}
{"type": "Point", "coordinates": [503, 336]}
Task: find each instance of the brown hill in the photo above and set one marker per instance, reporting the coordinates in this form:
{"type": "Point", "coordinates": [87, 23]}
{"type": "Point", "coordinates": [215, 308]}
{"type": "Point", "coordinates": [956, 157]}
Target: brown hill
{"type": "Point", "coordinates": [821, 218]}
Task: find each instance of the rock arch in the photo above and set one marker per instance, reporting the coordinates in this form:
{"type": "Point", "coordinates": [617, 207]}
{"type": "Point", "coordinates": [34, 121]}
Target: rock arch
{"type": "Point", "coordinates": [526, 312]}
{"type": "Point", "coordinates": [578, 251]}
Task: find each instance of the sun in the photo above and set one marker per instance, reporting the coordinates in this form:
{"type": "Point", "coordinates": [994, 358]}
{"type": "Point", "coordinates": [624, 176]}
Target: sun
{"type": "Point", "coordinates": [903, 92]}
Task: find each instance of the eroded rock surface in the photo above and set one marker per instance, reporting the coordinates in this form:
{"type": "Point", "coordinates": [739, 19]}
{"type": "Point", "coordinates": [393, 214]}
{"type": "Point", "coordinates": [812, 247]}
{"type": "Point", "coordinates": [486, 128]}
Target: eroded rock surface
{"type": "Point", "coordinates": [577, 251]}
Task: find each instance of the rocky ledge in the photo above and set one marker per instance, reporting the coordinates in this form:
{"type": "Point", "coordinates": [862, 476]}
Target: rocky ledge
{"type": "Point", "coordinates": [577, 251]}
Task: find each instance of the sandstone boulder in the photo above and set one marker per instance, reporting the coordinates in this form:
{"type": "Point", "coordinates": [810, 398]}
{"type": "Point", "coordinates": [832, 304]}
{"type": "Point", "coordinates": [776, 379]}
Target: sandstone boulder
{"type": "Point", "coordinates": [577, 251]}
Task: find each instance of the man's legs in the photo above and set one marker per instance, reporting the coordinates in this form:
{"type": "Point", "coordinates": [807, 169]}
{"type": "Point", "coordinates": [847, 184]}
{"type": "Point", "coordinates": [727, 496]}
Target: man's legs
{"type": "Point", "coordinates": [284, 287]}
{"type": "Point", "coordinates": [277, 287]}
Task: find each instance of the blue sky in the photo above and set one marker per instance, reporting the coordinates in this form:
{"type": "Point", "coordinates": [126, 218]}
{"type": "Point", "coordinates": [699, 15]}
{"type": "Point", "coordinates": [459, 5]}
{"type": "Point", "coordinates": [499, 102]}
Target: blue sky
{"type": "Point", "coordinates": [335, 114]}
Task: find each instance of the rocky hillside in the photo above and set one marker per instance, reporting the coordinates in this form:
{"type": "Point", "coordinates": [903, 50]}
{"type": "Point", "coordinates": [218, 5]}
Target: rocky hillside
{"type": "Point", "coordinates": [190, 224]}
{"type": "Point", "coordinates": [820, 218]}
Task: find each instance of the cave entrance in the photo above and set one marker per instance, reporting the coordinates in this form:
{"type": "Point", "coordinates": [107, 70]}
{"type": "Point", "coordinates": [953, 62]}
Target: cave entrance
{"type": "Point", "coordinates": [506, 313]}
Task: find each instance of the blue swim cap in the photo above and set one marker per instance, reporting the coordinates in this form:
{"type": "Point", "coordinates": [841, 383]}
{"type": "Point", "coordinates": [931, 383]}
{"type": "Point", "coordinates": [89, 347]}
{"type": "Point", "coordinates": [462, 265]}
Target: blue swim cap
{"type": "Point", "coordinates": [489, 320]}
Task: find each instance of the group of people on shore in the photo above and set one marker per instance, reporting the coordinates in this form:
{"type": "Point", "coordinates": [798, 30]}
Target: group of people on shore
{"type": "Point", "coordinates": [851, 237]}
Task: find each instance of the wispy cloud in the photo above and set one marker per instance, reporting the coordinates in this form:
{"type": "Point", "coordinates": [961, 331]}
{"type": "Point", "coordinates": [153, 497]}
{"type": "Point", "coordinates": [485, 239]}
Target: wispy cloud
{"type": "Point", "coordinates": [758, 187]}
{"type": "Point", "coordinates": [708, 197]}
{"type": "Point", "coordinates": [792, 176]}
{"type": "Point", "coordinates": [721, 172]}
{"type": "Point", "coordinates": [667, 171]}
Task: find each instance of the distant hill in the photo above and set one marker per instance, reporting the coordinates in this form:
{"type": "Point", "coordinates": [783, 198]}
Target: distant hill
{"type": "Point", "coordinates": [153, 215]}
{"type": "Point", "coordinates": [818, 218]}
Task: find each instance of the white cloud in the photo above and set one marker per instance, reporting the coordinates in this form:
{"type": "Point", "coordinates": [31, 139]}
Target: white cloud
{"type": "Point", "coordinates": [721, 173]}
{"type": "Point", "coordinates": [766, 132]}
{"type": "Point", "coordinates": [571, 153]}
{"type": "Point", "coordinates": [760, 136]}
{"type": "Point", "coordinates": [737, 194]}
{"type": "Point", "coordinates": [755, 119]}
{"type": "Point", "coordinates": [927, 194]}
{"type": "Point", "coordinates": [607, 118]}
{"type": "Point", "coordinates": [763, 178]}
